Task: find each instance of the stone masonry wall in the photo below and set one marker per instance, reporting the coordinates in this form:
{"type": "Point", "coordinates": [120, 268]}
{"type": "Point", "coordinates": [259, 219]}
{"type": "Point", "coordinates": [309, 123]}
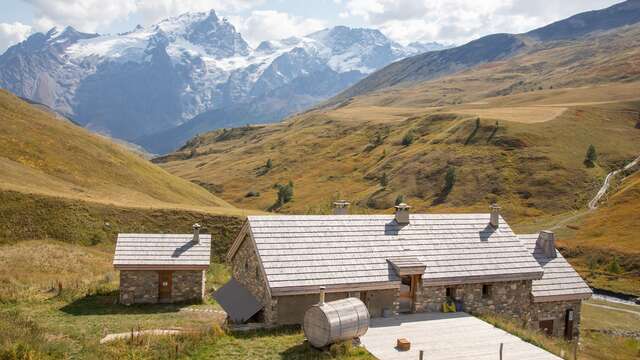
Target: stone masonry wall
{"type": "Point", "coordinates": [246, 270]}
{"type": "Point", "coordinates": [187, 285]}
{"type": "Point", "coordinates": [556, 311]}
{"type": "Point", "coordinates": [509, 298]}
{"type": "Point", "coordinates": [138, 286]}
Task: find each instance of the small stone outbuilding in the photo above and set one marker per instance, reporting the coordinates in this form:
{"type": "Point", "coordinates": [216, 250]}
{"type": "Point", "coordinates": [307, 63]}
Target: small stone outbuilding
{"type": "Point", "coordinates": [406, 263]}
{"type": "Point", "coordinates": [162, 268]}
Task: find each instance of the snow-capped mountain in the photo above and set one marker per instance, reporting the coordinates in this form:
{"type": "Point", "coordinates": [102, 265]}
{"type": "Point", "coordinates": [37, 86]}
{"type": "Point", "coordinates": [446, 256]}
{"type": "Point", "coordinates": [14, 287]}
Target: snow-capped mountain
{"type": "Point", "coordinates": [159, 85]}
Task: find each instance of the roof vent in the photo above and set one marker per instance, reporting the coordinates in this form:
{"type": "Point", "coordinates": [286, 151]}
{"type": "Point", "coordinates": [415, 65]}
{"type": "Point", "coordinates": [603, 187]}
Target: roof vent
{"type": "Point", "coordinates": [196, 233]}
{"type": "Point", "coordinates": [341, 207]}
{"type": "Point", "coordinates": [402, 213]}
{"type": "Point", "coordinates": [547, 242]}
{"type": "Point", "coordinates": [494, 220]}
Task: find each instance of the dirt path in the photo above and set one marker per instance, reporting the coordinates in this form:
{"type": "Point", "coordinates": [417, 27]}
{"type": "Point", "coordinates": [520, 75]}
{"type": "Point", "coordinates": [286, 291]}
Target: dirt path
{"type": "Point", "coordinates": [593, 204]}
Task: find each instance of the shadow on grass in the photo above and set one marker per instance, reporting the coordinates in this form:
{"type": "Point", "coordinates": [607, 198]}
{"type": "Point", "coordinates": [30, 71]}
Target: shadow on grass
{"type": "Point", "coordinates": [107, 304]}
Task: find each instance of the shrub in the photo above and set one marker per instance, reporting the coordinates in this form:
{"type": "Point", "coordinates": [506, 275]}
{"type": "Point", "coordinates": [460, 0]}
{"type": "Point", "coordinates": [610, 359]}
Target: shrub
{"type": "Point", "coordinates": [449, 180]}
{"type": "Point", "coordinates": [383, 180]}
{"type": "Point", "coordinates": [285, 194]}
{"type": "Point", "coordinates": [408, 138]}
{"type": "Point", "coordinates": [269, 164]}
{"type": "Point", "coordinates": [399, 200]}
{"type": "Point", "coordinates": [614, 266]}
{"type": "Point", "coordinates": [591, 156]}
{"type": "Point", "coordinates": [252, 194]}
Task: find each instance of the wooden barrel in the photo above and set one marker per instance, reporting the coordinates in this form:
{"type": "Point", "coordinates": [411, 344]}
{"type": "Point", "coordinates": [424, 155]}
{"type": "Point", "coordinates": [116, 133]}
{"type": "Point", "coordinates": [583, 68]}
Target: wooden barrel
{"type": "Point", "coordinates": [330, 322]}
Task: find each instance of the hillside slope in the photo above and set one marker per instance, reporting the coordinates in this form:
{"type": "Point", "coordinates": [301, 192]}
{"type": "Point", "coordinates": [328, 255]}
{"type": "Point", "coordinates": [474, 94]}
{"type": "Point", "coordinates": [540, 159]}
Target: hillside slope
{"type": "Point", "coordinates": [44, 155]}
{"type": "Point", "coordinates": [539, 111]}
{"type": "Point", "coordinates": [432, 65]}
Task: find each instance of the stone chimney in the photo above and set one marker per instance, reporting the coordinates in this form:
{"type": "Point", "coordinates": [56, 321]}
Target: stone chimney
{"type": "Point", "coordinates": [341, 207]}
{"type": "Point", "coordinates": [196, 233]}
{"type": "Point", "coordinates": [547, 242]}
{"type": "Point", "coordinates": [321, 300]}
{"type": "Point", "coordinates": [402, 213]}
{"type": "Point", "coordinates": [494, 220]}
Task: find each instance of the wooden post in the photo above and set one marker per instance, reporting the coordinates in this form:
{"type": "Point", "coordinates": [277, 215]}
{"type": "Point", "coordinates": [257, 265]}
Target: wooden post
{"type": "Point", "coordinates": [421, 354]}
{"type": "Point", "coordinates": [501, 345]}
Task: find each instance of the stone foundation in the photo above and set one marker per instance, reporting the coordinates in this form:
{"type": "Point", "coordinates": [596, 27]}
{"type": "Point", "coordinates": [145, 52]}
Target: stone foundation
{"type": "Point", "coordinates": [141, 286]}
{"type": "Point", "coordinates": [557, 311]}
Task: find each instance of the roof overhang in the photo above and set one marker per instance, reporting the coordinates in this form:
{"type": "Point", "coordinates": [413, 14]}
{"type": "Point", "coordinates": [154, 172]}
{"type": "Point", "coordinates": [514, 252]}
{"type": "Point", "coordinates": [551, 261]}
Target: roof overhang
{"type": "Point", "coordinates": [480, 279]}
{"type": "Point", "coordinates": [407, 265]}
{"type": "Point", "coordinates": [161, 267]}
{"type": "Point", "coordinates": [238, 241]}
{"type": "Point", "coordinates": [301, 290]}
{"type": "Point", "coordinates": [565, 297]}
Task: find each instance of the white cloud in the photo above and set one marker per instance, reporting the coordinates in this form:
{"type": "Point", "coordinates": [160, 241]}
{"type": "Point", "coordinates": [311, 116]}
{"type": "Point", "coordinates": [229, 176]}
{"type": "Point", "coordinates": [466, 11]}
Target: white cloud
{"type": "Point", "coordinates": [271, 25]}
{"type": "Point", "coordinates": [458, 21]}
{"type": "Point", "coordinates": [91, 15]}
{"type": "Point", "coordinates": [12, 33]}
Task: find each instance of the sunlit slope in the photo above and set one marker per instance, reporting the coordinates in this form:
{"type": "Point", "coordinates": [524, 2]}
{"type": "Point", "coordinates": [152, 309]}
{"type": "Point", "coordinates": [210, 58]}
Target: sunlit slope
{"type": "Point", "coordinates": [43, 154]}
{"type": "Point", "coordinates": [533, 167]}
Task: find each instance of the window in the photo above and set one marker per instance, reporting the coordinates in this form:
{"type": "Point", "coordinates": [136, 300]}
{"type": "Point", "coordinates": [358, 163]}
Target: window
{"type": "Point", "coordinates": [486, 290]}
{"type": "Point", "coordinates": [451, 292]}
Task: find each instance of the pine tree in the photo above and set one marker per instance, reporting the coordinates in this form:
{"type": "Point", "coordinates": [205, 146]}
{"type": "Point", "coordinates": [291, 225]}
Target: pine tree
{"type": "Point", "coordinates": [591, 157]}
{"type": "Point", "coordinates": [399, 200]}
{"type": "Point", "coordinates": [614, 266]}
{"type": "Point", "coordinates": [269, 164]}
{"type": "Point", "coordinates": [408, 138]}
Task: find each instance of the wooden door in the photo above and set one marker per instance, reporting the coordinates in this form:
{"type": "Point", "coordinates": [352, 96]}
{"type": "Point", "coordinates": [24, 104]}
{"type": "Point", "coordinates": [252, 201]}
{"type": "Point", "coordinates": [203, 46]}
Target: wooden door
{"type": "Point", "coordinates": [164, 285]}
{"type": "Point", "coordinates": [546, 326]}
{"type": "Point", "coordinates": [568, 325]}
{"type": "Point", "coordinates": [408, 290]}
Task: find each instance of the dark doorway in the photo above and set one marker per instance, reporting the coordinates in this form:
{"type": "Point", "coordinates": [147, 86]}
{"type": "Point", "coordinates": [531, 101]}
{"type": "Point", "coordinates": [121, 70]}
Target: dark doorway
{"type": "Point", "coordinates": [568, 325]}
{"type": "Point", "coordinates": [406, 298]}
{"type": "Point", "coordinates": [546, 326]}
{"type": "Point", "coordinates": [164, 286]}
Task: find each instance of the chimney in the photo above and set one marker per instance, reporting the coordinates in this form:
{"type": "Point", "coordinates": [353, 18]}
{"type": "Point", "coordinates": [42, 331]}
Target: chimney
{"type": "Point", "coordinates": [402, 213]}
{"type": "Point", "coordinates": [494, 220]}
{"type": "Point", "coordinates": [547, 242]}
{"type": "Point", "coordinates": [196, 233]}
{"type": "Point", "coordinates": [321, 301]}
{"type": "Point", "coordinates": [341, 207]}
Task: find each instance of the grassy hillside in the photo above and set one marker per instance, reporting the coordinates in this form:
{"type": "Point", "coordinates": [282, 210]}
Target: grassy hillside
{"type": "Point", "coordinates": [42, 154]}
{"type": "Point", "coordinates": [533, 166]}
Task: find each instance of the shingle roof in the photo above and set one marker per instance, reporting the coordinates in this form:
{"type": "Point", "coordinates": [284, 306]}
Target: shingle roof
{"type": "Point", "coordinates": [162, 250]}
{"type": "Point", "coordinates": [560, 280]}
{"type": "Point", "coordinates": [314, 250]}
{"type": "Point", "coordinates": [407, 265]}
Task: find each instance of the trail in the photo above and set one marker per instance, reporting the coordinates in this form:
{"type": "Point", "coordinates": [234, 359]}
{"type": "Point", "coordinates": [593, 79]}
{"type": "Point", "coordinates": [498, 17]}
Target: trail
{"type": "Point", "coordinates": [593, 204]}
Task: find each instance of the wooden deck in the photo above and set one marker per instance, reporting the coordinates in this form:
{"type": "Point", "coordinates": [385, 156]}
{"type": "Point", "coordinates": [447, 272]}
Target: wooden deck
{"type": "Point", "coordinates": [456, 336]}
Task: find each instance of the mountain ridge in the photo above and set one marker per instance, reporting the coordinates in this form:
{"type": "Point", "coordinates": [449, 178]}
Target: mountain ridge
{"type": "Point", "coordinates": [152, 80]}
{"type": "Point", "coordinates": [431, 65]}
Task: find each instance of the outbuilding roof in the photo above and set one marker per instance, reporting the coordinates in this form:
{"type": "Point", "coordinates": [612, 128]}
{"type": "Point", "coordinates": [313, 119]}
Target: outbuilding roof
{"type": "Point", "coordinates": [301, 252]}
{"type": "Point", "coordinates": [560, 281]}
{"type": "Point", "coordinates": [162, 251]}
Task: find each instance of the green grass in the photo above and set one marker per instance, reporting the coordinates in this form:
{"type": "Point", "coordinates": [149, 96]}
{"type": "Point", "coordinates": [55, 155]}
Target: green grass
{"type": "Point", "coordinates": [283, 343]}
{"type": "Point", "coordinates": [26, 217]}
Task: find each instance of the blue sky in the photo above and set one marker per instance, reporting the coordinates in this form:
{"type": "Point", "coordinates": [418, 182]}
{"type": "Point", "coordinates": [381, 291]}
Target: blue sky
{"type": "Point", "coordinates": [447, 21]}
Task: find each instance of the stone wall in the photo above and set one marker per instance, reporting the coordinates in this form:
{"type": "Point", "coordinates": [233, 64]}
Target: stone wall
{"type": "Point", "coordinates": [379, 301]}
{"type": "Point", "coordinates": [187, 285]}
{"type": "Point", "coordinates": [556, 311]}
{"type": "Point", "coordinates": [141, 286]}
{"type": "Point", "coordinates": [246, 270]}
{"type": "Point", "coordinates": [138, 287]}
{"type": "Point", "coordinates": [508, 298]}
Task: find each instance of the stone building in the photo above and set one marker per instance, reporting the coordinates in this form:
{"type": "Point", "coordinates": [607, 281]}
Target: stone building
{"type": "Point", "coordinates": [405, 263]}
{"type": "Point", "coordinates": [162, 268]}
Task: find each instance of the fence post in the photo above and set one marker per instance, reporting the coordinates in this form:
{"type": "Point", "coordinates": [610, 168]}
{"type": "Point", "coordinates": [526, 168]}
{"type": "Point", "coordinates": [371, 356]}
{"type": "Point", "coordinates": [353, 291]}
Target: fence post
{"type": "Point", "coordinates": [501, 345]}
{"type": "Point", "coordinates": [421, 354]}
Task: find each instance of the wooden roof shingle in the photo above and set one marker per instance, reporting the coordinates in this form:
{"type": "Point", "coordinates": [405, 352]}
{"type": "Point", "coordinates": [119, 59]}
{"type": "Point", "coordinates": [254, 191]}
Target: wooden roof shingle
{"type": "Point", "coordinates": [301, 251]}
{"type": "Point", "coordinates": [162, 250]}
{"type": "Point", "coordinates": [560, 281]}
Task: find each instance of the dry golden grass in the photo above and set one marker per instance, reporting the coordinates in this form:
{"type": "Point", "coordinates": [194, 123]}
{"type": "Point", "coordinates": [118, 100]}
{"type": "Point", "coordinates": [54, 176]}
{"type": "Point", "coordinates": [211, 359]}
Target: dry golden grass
{"type": "Point", "coordinates": [41, 154]}
{"type": "Point", "coordinates": [524, 114]}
